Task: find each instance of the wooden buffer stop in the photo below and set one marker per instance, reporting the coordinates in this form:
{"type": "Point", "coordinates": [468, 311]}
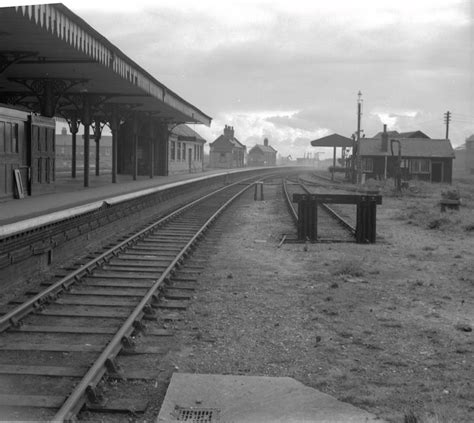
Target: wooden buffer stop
{"type": "Point", "coordinates": [366, 214]}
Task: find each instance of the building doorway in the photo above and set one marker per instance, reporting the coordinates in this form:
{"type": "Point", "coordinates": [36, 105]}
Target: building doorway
{"type": "Point", "coordinates": [437, 172]}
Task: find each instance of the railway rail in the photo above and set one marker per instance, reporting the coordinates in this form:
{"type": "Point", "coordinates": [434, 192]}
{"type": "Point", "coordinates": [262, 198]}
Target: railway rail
{"type": "Point", "coordinates": [67, 337]}
{"type": "Point", "coordinates": [332, 226]}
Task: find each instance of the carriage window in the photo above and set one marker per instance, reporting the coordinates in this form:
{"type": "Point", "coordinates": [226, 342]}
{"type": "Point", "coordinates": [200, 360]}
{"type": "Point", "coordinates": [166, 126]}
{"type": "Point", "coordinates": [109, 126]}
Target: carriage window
{"type": "Point", "coordinates": [2, 137]}
{"type": "Point", "coordinates": [50, 137]}
{"type": "Point", "coordinates": [15, 138]}
{"type": "Point", "coordinates": [8, 137]}
{"type": "Point", "coordinates": [39, 171]}
{"type": "Point", "coordinates": [34, 138]}
{"type": "Point", "coordinates": [47, 179]}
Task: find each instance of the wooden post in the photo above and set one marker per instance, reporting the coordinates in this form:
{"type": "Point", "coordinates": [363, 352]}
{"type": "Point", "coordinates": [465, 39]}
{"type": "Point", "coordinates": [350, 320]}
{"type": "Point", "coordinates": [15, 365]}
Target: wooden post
{"type": "Point", "coordinates": [74, 127]}
{"type": "Point", "coordinates": [114, 126]}
{"type": "Point", "coordinates": [86, 121]}
{"type": "Point", "coordinates": [97, 145]}
{"type": "Point", "coordinates": [366, 221]}
{"type": "Point", "coordinates": [135, 146]}
{"type": "Point", "coordinates": [152, 148]}
{"type": "Point", "coordinates": [307, 220]}
{"type": "Point", "coordinates": [333, 164]}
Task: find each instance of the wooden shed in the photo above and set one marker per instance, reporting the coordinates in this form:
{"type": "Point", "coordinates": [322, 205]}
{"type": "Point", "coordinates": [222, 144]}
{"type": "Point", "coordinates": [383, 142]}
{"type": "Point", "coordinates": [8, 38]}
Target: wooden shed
{"type": "Point", "coordinates": [421, 158]}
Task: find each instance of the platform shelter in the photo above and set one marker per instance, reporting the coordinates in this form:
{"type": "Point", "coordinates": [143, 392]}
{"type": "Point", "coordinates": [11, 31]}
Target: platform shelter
{"type": "Point", "coordinates": [334, 141]}
{"type": "Point", "coordinates": [54, 64]}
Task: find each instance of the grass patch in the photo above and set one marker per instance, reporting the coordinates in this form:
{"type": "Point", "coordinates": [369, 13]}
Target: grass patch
{"type": "Point", "coordinates": [349, 268]}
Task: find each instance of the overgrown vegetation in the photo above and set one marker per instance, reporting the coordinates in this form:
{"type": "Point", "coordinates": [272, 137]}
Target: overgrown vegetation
{"type": "Point", "coordinates": [420, 203]}
{"type": "Point", "coordinates": [349, 268]}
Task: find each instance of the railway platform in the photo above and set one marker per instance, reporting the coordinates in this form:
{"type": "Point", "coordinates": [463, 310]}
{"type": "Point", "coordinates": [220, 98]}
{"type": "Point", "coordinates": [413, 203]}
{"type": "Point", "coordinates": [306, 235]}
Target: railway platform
{"type": "Point", "coordinates": [70, 193]}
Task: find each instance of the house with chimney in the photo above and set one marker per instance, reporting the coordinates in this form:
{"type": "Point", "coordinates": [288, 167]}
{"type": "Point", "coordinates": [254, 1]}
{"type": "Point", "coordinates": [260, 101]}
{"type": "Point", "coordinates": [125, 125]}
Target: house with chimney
{"type": "Point", "coordinates": [227, 152]}
{"type": "Point", "coordinates": [421, 157]}
{"type": "Point", "coordinates": [262, 155]}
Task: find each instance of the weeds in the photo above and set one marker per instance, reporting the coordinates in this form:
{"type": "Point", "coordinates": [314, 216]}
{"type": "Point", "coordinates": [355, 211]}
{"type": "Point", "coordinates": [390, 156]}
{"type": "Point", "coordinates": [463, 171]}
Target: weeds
{"type": "Point", "coordinates": [349, 268]}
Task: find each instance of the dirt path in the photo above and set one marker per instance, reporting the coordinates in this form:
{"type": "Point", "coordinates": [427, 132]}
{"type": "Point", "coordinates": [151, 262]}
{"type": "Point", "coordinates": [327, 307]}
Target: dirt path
{"type": "Point", "coordinates": [386, 327]}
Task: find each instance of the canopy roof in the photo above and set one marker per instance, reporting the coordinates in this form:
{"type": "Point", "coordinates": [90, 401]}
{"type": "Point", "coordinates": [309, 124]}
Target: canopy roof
{"type": "Point", "coordinates": [49, 42]}
{"type": "Point", "coordinates": [334, 140]}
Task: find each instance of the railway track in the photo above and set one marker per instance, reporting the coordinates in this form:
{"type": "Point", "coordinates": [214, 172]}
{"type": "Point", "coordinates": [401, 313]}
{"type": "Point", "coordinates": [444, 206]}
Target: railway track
{"type": "Point", "coordinates": [57, 345]}
{"type": "Point", "coordinates": [332, 226]}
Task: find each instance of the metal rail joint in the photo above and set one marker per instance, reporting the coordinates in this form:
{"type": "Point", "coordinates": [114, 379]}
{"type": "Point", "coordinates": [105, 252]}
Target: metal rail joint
{"type": "Point", "coordinates": [366, 214]}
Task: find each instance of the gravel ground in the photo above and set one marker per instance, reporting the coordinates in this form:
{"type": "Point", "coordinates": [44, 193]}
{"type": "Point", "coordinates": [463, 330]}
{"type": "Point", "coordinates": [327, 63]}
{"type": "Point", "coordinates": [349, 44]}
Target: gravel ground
{"type": "Point", "coordinates": [386, 327]}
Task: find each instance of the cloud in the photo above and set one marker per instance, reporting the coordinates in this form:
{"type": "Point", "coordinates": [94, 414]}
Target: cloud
{"type": "Point", "coordinates": [291, 70]}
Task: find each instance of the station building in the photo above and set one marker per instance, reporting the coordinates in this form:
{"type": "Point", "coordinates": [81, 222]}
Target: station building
{"type": "Point", "coordinates": [421, 157]}
{"type": "Point", "coordinates": [262, 155]}
{"type": "Point", "coordinates": [227, 152]}
{"type": "Point", "coordinates": [186, 150]}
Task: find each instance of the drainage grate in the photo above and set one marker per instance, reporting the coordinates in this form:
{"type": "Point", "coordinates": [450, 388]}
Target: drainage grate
{"type": "Point", "coordinates": [197, 415]}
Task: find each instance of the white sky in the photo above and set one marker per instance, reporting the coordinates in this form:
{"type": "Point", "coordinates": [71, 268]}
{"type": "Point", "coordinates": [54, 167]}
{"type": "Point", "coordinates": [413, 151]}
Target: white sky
{"type": "Point", "coordinates": [291, 70]}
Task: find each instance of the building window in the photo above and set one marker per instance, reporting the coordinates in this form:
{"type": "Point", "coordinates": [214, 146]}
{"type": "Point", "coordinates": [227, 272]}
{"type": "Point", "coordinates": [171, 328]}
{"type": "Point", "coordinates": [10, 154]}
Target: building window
{"type": "Point", "coordinates": [173, 151]}
{"type": "Point", "coordinates": [367, 164]}
{"type": "Point", "coordinates": [179, 152]}
{"type": "Point", "coordinates": [419, 166]}
{"type": "Point", "coordinates": [184, 151]}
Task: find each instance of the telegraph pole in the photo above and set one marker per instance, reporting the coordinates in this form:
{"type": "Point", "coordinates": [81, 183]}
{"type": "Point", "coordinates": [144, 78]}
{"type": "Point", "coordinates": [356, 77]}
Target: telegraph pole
{"type": "Point", "coordinates": [359, 114]}
{"type": "Point", "coordinates": [447, 118]}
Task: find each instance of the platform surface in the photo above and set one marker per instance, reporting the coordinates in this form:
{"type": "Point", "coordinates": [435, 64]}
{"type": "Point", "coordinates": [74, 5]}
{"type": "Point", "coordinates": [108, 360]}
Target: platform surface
{"type": "Point", "coordinates": [252, 399]}
{"type": "Point", "coordinates": [71, 193]}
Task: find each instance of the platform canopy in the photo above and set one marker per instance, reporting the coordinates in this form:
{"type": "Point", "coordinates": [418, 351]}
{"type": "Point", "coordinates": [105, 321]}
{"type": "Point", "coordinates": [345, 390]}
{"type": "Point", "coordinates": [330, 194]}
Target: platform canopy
{"type": "Point", "coordinates": [333, 140]}
{"type": "Point", "coordinates": [49, 56]}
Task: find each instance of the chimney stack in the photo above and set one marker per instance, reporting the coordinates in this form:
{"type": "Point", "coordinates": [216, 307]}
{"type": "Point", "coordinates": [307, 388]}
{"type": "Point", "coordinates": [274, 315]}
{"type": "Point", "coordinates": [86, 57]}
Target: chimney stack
{"type": "Point", "coordinates": [265, 142]}
{"type": "Point", "coordinates": [384, 139]}
{"type": "Point", "coordinates": [229, 132]}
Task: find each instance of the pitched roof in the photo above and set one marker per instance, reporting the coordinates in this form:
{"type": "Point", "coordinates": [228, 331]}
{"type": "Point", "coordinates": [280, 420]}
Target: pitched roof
{"type": "Point", "coordinates": [390, 134]}
{"type": "Point", "coordinates": [413, 134]}
{"type": "Point", "coordinates": [222, 139]}
{"type": "Point", "coordinates": [396, 134]}
{"type": "Point", "coordinates": [333, 140]}
{"type": "Point", "coordinates": [185, 133]}
{"type": "Point", "coordinates": [263, 148]}
{"type": "Point", "coordinates": [411, 147]}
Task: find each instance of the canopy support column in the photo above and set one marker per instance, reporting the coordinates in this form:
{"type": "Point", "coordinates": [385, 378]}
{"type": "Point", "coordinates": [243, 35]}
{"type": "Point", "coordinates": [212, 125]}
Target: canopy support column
{"type": "Point", "coordinates": [333, 164]}
{"type": "Point", "coordinates": [114, 126]}
{"type": "Point", "coordinates": [135, 146]}
{"type": "Point", "coordinates": [74, 128]}
{"type": "Point", "coordinates": [86, 121]}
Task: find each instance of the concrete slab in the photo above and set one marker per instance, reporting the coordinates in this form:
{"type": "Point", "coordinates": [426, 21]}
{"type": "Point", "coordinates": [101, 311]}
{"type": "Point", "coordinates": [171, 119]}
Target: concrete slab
{"type": "Point", "coordinates": [252, 399]}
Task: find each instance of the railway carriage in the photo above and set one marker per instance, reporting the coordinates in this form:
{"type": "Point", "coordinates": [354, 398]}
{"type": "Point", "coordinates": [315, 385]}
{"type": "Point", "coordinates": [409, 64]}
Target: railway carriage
{"type": "Point", "coordinates": [27, 153]}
